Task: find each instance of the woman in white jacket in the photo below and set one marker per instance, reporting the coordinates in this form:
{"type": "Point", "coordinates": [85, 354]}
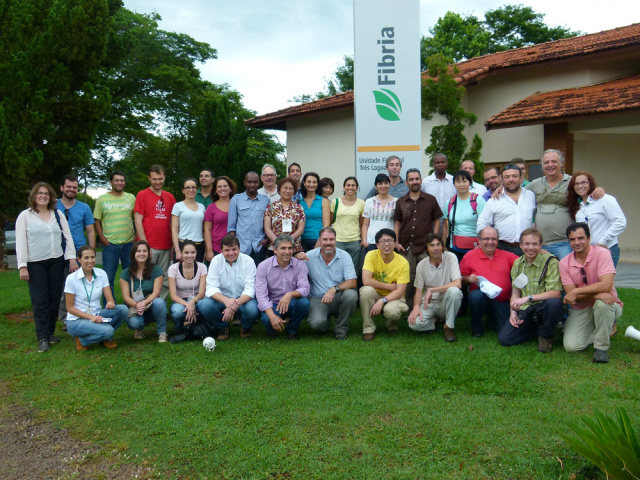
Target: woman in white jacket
{"type": "Point", "coordinates": [41, 232]}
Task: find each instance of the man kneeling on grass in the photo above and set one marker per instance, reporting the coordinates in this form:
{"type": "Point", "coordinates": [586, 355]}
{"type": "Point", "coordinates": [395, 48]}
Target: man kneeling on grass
{"type": "Point", "coordinates": [587, 277]}
{"type": "Point", "coordinates": [536, 307]}
{"type": "Point", "coordinates": [282, 288]}
{"type": "Point", "coordinates": [439, 273]}
{"type": "Point", "coordinates": [385, 276]}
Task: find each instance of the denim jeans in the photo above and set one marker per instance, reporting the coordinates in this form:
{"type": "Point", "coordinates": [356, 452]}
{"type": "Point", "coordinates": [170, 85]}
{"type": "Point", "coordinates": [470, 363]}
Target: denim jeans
{"type": "Point", "coordinates": [479, 304]}
{"type": "Point", "coordinates": [111, 255]}
{"type": "Point", "coordinates": [248, 313]}
{"type": "Point", "coordinates": [89, 332]}
{"type": "Point", "coordinates": [559, 249]}
{"type": "Point", "coordinates": [549, 314]}
{"type": "Point", "coordinates": [156, 313]}
{"type": "Point", "coordinates": [179, 315]}
{"type": "Point", "coordinates": [298, 309]}
{"type": "Point", "coordinates": [615, 254]}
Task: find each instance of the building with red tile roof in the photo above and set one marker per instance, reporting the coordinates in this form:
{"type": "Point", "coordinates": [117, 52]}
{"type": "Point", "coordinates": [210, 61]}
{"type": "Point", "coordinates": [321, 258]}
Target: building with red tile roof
{"type": "Point", "coordinates": [580, 95]}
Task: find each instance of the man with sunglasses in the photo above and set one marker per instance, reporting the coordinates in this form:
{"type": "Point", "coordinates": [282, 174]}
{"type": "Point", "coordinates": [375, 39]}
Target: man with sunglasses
{"type": "Point", "coordinates": [587, 277]}
{"type": "Point", "coordinates": [79, 218]}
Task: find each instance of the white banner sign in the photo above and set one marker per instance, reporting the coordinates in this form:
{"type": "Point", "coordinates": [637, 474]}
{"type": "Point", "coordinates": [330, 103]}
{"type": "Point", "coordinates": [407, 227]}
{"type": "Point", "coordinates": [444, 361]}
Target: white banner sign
{"type": "Point", "coordinates": [387, 86]}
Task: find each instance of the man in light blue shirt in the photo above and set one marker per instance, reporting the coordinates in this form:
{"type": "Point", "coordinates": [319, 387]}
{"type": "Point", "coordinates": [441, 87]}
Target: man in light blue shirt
{"type": "Point", "coordinates": [246, 219]}
{"type": "Point", "coordinates": [80, 218]}
{"type": "Point", "coordinates": [231, 290]}
{"type": "Point", "coordinates": [333, 282]}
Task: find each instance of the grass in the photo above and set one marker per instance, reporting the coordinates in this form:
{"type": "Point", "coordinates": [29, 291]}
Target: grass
{"type": "Point", "coordinates": [409, 406]}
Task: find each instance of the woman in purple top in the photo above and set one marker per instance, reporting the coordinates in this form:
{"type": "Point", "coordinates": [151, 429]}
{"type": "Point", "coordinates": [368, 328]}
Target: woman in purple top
{"type": "Point", "coordinates": [216, 216]}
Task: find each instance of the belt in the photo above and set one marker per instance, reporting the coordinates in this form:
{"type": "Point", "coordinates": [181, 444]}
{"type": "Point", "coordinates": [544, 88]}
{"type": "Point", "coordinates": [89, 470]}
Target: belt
{"type": "Point", "coordinates": [509, 244]}
{"type": "Point", "coordinates": [196, 243]}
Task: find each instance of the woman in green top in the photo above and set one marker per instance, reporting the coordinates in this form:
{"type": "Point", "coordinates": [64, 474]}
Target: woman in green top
{"type": "Point", "coordinates": [141, 284]}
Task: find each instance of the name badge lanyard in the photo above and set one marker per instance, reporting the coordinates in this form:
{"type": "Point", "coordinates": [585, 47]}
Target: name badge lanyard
{"type": "Point", "coordinates": [89, 295]}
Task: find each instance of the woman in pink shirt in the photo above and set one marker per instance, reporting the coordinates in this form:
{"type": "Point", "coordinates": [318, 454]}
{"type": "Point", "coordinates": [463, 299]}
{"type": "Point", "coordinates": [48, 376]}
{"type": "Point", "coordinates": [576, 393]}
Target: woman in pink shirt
{"type": "Point", "coordinates": [216, 216]}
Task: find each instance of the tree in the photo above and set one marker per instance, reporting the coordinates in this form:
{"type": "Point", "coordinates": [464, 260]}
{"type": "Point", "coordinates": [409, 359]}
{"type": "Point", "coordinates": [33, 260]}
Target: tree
{"type": "Point", "coordinates": [340, 81]}
{"type": "Point", "coordinates": [51, 95]}
{"type": "Point", "coordinates": [442, 95]}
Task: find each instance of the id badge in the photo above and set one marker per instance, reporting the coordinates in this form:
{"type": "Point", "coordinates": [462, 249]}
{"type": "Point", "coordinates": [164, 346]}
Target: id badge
{"type": "Point", "coordinates": [520, 281]}
{"type": "Point", "coordinates": [138, 296]}
{"type": "Point", "coordinates": [287, 225]}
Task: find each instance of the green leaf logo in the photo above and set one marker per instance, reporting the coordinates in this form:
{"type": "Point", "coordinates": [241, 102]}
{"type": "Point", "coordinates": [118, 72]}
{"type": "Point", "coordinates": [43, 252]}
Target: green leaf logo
{"type": "Point", "coordinates": [388, 105]}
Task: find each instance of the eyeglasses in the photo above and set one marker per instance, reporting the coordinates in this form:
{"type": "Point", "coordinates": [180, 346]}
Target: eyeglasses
{"type": "Point", "coordinates": [582, 184]}
{"type": "Point", "coordinates": [488, 239]}
{"type": "Point", "coordinates": [190, 188]}
{"type": "Point", "coordinates": [386, 241]}
{"type": "Point", "coordinates": [43, 194]}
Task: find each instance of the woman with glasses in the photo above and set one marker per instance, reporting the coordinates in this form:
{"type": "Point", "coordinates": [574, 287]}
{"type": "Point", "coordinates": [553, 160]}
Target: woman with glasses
{"type": "Point", "coordinates": [285, 216]}
{"type": "Point", "coordinates": [187, 219]}
{"type": "Point", "coordinates": [604, 216]}
{"type": "Point", "coordinates": [347, 221]}
{"type": "Point", "coordinates": [43, 243]}
{"type": "Point", "coordinates": [316, 211]}
{"type": "Point", "coordinates": [216, 217]}
{"type": "Point", "coordinates": [378, 212]}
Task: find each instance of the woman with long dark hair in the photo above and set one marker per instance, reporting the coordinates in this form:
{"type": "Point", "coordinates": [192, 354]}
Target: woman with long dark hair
{"type": "Point", "coordinates": [316, 210]}
{"type": "Point", "coordinates": [43, 243]}
{"type": "Point", "coordinates": [216, 217]}
{"type": "Point", "coordinates": [141, 284]}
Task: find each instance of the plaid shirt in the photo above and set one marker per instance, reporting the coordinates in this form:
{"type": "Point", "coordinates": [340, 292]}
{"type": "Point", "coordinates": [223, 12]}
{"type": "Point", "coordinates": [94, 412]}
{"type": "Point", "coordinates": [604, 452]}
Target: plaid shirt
{"type": "Point", "coordinates": [551, 280]}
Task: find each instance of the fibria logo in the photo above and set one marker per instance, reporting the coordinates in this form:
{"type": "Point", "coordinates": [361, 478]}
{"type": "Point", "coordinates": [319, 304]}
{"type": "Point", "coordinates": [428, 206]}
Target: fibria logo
{"type": "Point", "coordinates": [387, 102]}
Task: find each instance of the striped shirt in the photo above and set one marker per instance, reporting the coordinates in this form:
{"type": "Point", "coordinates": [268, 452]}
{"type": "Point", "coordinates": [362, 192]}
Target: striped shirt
{"type": "Point", "coordinates": [116, 215]}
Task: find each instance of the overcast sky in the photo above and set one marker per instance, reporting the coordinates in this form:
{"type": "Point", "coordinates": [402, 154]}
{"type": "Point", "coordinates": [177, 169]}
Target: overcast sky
{"type": "Point", "coordinates": [272, 50]}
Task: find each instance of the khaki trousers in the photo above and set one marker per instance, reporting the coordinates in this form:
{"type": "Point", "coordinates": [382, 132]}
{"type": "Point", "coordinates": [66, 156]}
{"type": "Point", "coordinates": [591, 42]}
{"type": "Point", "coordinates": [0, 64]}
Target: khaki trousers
{"type": "Point", "coordinates": [590, 325]}
{"type": "Point", "coordinates": [391, 312]}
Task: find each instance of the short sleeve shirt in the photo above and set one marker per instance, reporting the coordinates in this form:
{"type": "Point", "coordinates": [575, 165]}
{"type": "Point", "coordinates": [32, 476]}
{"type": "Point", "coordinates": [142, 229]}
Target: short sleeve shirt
{"type": "Point", "coordinates": [497, 269]}
{"type": "Point", "coordinates": [87, 294]}
{"type": "Point", "coordinates": [551, 280]}
{"type": "Point", "coordinates": [156, 217]}
{"type": "Point", "coordinates": [185, 288]}
{"type": "Point", "coordinates": [322, 276]}
{"type": "Point", "coordinates": [380, 216]}
{"type": "Point", "coordinates": [191, 222]}
{"type": "Point", "coordinates": [416, 219]}
{"type": "Point", "coordinates": [430, 276]}
{"type": "Point", "coordinates": [219, 222]}
{"type": "Point", "coordinates": [396, 271]}
{"type": "Point", "coordinates": [279, 213]}
{"type": "Point", "coordinates": [116, 216]}
{"type": "Point", "coordinates": [146, 284]}
{"type": "Point", "coordinates": [347, 224]}
{"type": "Point", "coordinates": [78, 217]}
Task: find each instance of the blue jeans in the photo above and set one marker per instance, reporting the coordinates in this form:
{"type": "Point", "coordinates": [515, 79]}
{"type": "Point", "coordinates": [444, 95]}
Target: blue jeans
{"type": "Point", "coordinates": [479, 304]}
{"type": "Point", "coordinates": [615, 254]}
{"type": "Point", "coordinates": [156, 313]}
{"type": "Point", "coordinates": [559, 249]}
{"type": "Point", "coordinates": [248, 313]}
{"type": "Point", "coordinates": [179, 315]}
{"type": "Point", "coordinates": [89, 332]}
{"type": "Point", "coordinates": [298, 309]}
{"type": "Point", "coordinates": [111, 255]}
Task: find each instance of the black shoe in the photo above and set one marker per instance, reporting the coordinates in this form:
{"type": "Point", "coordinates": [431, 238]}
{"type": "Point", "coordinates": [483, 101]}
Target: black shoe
{"type": "Point", "coordinates": [272, 334]}
{"type": "Point", "coordinates": [245, 333]}
{"type": "Point", "coordinates": [477, 334]}
{"type": "Point", "coordinates": [293, 336]}
{"type": "Point", "coordinates": [600, 356]}
{"type": "Point", "coordinates": [53, 339]}
{"type": "Point", "coordinates": [180, 337]}
{"type": "Point", "coordinates": [340, 336]}
{"type": "Point", "coordinates": [43, 346]}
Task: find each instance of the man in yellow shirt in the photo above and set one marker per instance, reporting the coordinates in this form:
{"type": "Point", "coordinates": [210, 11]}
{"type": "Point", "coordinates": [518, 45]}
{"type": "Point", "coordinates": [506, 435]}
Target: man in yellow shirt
{"type": "Point", "coordinates": [385, 276]}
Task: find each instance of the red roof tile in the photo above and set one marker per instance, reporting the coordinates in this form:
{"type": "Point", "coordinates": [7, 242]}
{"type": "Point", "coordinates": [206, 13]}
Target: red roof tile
{"type": "Point", "coordinates": [613, 96]}
{"type": "Point", "coordinates": [475, 68]}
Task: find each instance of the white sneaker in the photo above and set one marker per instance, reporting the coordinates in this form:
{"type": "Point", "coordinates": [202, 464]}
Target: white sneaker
{"type": "Point", "coordinates": [163, 338]}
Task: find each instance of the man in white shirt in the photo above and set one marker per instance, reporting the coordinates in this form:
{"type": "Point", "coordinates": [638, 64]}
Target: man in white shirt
{"type": "Point", "coordinates": [440, 183]}
{"type": "Point", "coordinates": [477, 188]}
{"type": "Point", "coordinates": [231, 286]}
{"type": "Point", "coordinates": [511, 213]}
{"type": "Point", "coordinates": [269, 187]}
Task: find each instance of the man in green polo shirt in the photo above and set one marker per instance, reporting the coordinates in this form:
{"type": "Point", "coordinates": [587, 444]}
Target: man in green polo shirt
{"type": "Point", "coordinates": [114, 225]}
{"type": "Point", "coordinates": [203, 195]}
{"type": "Point", "coordinates": [536, 307]}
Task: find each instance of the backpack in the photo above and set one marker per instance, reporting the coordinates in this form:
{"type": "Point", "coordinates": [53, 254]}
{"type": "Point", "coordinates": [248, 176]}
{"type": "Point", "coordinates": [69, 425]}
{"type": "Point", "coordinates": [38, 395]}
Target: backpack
{"type": "Point", "coordinates": [473, 200]}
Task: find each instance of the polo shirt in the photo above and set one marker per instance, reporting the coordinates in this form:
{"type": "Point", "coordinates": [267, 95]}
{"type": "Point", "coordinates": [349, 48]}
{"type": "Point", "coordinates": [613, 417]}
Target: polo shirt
{"type": "Point", "coordinates": [87, 294]}
{"type": "Point", "coordinates": [78, 216]}
{"type": "Point", "coordinates": [597, 263]}
{"type": "Point", "coordinates": [497, 269]}
{"type": "Point", "coordinates": [206, 201]}
{"type": "Point", "coordinates": [430, 276]}
{"type": "Point", "coordinates": [396, 271]}
{"type": "Point", "coordinates": [322, 277]}
{"type": "Point", "coordinates": [533, 272]}
{"type": "Point", "coordinates": [416, 219]}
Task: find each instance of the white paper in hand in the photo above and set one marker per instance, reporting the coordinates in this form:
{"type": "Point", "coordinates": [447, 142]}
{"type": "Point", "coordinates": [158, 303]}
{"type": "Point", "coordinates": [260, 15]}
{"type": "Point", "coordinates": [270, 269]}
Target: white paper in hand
{"type": "Point", "coordinates": [491, 290]}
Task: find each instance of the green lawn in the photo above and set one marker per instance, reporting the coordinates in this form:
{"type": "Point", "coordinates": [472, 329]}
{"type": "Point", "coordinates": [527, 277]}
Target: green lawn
{"type": "Point", "coordinates": [409, 406]}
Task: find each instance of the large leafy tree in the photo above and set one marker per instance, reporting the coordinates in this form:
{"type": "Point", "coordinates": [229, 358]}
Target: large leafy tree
{"type": "Point", "coordinates": [51, 94]}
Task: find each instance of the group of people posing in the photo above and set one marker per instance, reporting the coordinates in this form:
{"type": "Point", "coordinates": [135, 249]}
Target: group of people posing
{"type": "Point", "coordinates": [429, 248]}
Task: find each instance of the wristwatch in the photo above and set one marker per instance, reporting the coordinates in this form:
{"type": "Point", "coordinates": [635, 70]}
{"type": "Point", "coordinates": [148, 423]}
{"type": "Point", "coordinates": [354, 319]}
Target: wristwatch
{"type": "Point", "coordinates": [385, 300]}
{"type": "Point", "coordinates": [531, 298]}
{"type": "Point", "coordinates": [337, 287]}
